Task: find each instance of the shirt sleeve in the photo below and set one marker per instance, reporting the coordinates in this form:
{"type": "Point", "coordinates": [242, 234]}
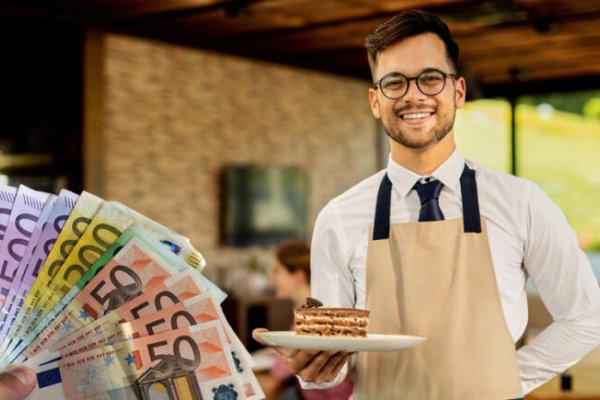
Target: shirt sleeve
{"type": "Point", "coordinates": [331, 279]}
{"type": "Point", "coordinates": [563, 277]}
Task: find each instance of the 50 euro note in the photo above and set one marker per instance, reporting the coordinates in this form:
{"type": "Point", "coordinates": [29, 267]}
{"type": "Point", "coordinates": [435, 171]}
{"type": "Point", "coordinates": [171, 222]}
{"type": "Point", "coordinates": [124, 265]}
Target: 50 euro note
{"type": "Point", "coordinates": [196, 310]}
{"type": "Point", "coordinates": [189, 363]}
{"type": "Point", "coordinates": [76, 223]}
{"type": "Point", "coordinates": [140, 263]}
{"type": "Point", "coordinates": [179, 288]}
{"type": "Point", "coordinates": [189, 282]}
{"type": "Point", "coordinates": [107, 225]}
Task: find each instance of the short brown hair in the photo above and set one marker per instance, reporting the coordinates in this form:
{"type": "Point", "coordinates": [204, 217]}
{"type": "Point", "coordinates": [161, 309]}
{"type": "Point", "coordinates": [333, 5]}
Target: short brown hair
{"type": "Point", "coordinates": [407, 24]}
{"type": "Point", "coordinates": [294, 255]}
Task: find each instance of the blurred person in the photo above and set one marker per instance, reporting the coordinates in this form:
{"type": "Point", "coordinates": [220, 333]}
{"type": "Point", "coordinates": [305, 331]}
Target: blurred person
{"type": "Point", "coordinates": [438, 246]}
{"type": "Point", "coordinates": [17, 383]}
{"type": "Point", "coordinates": [290, 275]}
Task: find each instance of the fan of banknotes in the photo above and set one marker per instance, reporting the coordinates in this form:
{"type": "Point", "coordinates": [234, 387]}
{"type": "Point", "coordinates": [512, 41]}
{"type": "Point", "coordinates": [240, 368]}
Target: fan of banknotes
{"type": "Point", "coordinates": [104, 303]}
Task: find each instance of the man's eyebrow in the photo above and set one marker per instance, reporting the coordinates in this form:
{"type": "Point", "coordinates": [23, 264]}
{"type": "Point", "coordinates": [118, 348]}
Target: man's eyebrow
{"type": "Point", "coordinates": [421, 71]}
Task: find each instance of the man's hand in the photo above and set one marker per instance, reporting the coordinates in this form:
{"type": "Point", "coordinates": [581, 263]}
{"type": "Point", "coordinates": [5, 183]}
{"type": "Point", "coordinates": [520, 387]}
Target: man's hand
{"type": "Point", "coordinates": [311, 365]}
{"type": "Point", "coordinates": [16, 384]}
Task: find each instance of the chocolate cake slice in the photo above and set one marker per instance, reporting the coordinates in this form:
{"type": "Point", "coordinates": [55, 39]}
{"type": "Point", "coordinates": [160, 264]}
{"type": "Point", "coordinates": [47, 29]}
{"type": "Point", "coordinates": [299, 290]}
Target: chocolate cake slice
{"type": "Point", "coordinates": [314, 319]}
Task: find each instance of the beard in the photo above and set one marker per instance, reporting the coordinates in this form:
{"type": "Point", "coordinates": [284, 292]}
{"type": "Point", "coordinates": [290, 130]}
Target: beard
{"type": "Point", "coordinates": [411, 141]}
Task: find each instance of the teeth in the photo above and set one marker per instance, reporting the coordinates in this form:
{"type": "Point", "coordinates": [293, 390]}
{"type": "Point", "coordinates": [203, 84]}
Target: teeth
{"type": "Point", "coordinates": [416, 116]}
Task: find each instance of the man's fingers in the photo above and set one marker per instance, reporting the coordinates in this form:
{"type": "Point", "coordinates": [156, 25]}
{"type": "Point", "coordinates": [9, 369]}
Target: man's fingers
{"type": "Point", "coordinates": [312, 370]}
{"type": "Point", "coordinates": [298, 362]}
{"type": "Point", "coordinates": [328, 372]}
{"type": "Point", "coordinates": [339, 366]}
{"type": "Point", "coordinates": [16, 384]}
{"type": "Point", "coordinates": [258, 339]}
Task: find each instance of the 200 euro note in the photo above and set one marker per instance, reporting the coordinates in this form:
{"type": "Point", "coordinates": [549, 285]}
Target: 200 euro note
{"type": "Point", "coordinates": [191, 363]}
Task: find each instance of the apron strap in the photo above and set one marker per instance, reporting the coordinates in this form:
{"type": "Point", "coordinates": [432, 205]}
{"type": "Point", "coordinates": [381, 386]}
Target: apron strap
{"type": "Point", "coordinates": [381, 229]}
{"type": "Point", "coordinates": [470, 201]}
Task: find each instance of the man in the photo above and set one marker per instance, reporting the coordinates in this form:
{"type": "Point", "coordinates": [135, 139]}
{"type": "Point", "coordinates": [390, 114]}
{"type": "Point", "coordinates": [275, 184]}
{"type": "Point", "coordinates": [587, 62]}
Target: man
{"type": "Point", "coordinates": [439, 247]}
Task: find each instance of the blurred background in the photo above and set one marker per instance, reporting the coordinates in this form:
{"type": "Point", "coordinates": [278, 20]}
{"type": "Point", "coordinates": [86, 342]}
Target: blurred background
{"type": "Point", "coordinates": [235, 121]}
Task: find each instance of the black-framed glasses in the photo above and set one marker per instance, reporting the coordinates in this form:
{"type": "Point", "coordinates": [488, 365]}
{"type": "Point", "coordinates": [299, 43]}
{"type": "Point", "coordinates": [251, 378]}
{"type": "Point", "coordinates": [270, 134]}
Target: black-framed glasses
{"type": "Point", "coordinates": [429, 82]}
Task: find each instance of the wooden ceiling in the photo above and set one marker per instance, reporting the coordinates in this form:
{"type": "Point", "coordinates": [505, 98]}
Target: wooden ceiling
{"type": "Point", "coordinates": [503, 42]}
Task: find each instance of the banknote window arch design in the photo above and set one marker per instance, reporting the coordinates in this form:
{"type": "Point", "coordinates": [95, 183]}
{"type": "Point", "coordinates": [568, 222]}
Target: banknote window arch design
{"type": "Point", "coordinates": [180, 384]}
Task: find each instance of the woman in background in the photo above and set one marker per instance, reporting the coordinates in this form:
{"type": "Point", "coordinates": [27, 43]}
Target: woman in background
{"type": "Point", "coordinates": [290, 275]}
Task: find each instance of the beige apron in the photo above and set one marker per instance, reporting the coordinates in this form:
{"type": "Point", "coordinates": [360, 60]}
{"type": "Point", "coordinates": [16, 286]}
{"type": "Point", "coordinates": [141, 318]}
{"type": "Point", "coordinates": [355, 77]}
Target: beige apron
{"type": "Point", "coordinates": [436, 279]}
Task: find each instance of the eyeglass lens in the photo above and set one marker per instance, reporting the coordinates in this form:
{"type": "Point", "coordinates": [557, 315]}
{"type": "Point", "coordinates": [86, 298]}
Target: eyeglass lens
{"type": "Point", "coordinates": [429, 83]}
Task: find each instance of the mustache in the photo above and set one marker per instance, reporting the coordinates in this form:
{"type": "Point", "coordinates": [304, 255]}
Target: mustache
{"type": "Point", "coordinates": [413, 108]}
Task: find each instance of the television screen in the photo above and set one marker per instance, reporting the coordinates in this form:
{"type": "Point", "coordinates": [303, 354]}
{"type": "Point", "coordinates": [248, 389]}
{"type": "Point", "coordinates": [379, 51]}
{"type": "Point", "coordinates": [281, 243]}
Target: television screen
{"type": "Point", "coordinates": [263, 205]}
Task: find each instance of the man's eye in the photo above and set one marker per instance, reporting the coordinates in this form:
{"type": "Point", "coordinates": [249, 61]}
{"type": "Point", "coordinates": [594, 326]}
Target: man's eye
{"type": "Point", "coordinates": [430, 79]}
{"type": "Point", "coordinates": [394, 84]}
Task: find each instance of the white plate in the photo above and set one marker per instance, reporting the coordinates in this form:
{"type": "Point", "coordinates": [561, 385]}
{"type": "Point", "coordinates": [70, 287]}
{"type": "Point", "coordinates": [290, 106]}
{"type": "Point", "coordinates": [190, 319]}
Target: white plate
{"type": "Point", "coordinates": [373, 342]}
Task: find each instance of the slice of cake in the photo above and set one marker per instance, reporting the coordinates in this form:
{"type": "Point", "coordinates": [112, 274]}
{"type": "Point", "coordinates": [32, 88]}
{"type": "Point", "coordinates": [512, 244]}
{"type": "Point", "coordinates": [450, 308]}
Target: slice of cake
{"type": "Point", "coordinates": [315, 320]}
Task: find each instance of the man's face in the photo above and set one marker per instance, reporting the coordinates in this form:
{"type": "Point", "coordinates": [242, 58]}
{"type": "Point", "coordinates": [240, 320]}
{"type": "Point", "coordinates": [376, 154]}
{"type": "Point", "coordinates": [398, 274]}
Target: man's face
{"type": "Point", "coordinates": [417, 121]}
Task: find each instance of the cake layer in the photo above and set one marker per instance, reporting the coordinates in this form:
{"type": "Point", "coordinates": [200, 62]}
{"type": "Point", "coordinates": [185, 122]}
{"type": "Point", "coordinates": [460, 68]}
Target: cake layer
{"type": "Point", "coordinates": [324, 321]}
{"type": "Point", "coordinates": [344, 321]}
{"type": "Point", "coordinates": [329, 330]}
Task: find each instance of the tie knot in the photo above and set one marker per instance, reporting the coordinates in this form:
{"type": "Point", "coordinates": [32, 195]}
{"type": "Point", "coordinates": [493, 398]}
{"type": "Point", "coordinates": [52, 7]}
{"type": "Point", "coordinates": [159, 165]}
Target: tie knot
{"type": "Point", "coordinates": [429, 190]}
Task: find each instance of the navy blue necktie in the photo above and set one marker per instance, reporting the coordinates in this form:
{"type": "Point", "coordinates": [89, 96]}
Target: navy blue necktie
{"type": "Point", "coordinates": [429, 193]}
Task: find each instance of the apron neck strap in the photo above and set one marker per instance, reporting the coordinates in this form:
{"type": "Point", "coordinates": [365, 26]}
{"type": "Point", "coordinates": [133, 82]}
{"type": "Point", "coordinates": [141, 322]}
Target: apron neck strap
{"type": "Point", "coordinates": [470, 201]}
{"type": "Point", "coordinates": [468, 188]}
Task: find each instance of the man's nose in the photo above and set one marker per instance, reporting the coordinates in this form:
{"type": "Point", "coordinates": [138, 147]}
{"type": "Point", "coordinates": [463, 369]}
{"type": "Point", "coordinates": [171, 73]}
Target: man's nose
{"type": "Point", "coordinates": [413, 93]}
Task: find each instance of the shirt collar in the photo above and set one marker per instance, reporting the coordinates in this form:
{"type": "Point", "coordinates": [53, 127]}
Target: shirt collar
{"type": "Point", "coordinates": [448, 173]}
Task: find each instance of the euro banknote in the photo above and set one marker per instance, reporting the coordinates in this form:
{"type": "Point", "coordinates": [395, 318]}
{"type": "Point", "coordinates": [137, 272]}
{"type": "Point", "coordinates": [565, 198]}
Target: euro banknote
{"type": "Point", "coordinates": [190, 362]}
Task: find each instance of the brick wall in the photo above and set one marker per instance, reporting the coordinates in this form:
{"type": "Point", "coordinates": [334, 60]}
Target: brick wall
{"type": "Point", "coordinates": [173, 116]}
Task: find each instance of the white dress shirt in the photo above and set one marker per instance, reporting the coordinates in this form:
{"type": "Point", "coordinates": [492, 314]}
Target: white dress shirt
{"type": "Point", "coordinates": [529, 237]}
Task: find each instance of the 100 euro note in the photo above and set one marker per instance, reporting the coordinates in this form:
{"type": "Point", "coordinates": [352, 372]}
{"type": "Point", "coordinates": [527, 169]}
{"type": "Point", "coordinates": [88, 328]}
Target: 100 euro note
{"type": "Point", "coordinates": [109, 222]}
{"type": "Point", "coordinates": [77, 221]}
{"type": "Point", "coordinates": [140, 264]}
{"type": "Point", "coordinates": [191, 363]}
{"type": "Point", "coordinates": [196, 310]}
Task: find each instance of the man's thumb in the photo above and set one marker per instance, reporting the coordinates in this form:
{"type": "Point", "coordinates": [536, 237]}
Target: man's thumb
{"type": "Point", "coordinates": [16, 384]}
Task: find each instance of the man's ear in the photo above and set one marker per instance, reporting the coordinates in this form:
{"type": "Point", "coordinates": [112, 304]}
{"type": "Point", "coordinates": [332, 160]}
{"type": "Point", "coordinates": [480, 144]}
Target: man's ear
{"type": "Point", "coordinates": [374, 102]}
{"type": "Point", "coordinates": [461, 92]}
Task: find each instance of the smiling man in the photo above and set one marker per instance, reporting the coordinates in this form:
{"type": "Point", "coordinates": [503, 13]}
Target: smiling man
{"type": "Point", "coordinates": [441, 247]}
